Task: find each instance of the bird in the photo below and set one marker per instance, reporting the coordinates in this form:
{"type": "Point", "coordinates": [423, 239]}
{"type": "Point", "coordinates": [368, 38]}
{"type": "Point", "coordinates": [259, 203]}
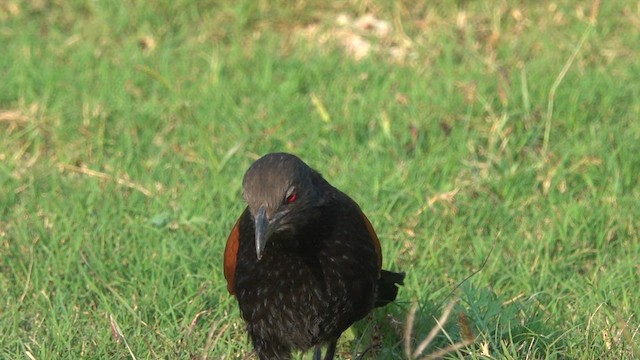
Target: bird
{"type": "Point", "coordinates": [303, 261]}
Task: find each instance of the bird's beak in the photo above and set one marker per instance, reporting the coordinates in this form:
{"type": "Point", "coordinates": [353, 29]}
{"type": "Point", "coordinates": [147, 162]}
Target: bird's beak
{"type": "Point", "coordinates": [261, 225]}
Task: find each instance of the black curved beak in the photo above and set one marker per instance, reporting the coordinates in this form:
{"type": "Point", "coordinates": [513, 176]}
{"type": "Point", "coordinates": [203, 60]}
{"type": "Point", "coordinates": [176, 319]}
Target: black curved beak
{"type": "Point", "coordinates": [262, 226]}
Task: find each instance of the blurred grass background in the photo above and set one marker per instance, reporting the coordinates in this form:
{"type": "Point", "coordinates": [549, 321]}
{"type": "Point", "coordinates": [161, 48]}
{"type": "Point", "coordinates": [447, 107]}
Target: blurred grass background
{"type": "Point", "coordinates": [467, 130]}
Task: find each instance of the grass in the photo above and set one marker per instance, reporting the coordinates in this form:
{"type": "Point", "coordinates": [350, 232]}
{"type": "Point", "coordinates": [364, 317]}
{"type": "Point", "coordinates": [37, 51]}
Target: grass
{"type": "Point", "coordinates": [470, 131]}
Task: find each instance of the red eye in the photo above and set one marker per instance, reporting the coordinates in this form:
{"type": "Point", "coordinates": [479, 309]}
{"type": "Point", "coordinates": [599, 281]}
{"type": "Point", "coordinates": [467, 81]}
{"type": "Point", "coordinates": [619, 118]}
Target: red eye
{"type": "Point", "coordinates": [291, 198]}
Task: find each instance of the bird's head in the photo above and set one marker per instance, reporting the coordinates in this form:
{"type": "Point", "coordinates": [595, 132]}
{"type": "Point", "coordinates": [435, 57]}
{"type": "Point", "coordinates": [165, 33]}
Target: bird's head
{"type": "Point", "coordinates": [279, 188]}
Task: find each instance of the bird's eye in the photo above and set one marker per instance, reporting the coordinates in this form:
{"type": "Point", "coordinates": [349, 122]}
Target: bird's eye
{"type": "Point", "coordinates": [291, 198]}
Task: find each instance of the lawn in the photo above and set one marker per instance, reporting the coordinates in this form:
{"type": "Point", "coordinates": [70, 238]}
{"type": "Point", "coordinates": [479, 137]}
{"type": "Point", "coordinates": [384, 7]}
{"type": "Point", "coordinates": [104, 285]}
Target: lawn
{"type": "Point", "coordinates": [495, 147]}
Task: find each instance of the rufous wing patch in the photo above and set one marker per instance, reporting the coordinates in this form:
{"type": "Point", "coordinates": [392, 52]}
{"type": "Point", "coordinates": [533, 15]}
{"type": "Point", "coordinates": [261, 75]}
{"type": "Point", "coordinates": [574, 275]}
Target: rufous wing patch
{"type": "Point", "coordinates": [374, 238]}
{"type": "Point", "coordinates": [231, 256]}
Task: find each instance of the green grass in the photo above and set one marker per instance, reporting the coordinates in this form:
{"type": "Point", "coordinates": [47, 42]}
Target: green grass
{"type": "Point", "coordinates": [125, 130]}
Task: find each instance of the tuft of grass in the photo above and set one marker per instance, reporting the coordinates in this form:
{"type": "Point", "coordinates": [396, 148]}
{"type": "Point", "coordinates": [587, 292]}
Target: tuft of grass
{"type": "Point", "coordinates": [125, 131]}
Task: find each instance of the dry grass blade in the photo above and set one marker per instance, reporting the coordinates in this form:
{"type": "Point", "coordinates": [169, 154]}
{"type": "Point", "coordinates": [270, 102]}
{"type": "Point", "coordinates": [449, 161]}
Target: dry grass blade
{"type": "Point", "coordinates": [595, 8]}
{"type": "Point", "coordinates": [629, 335]}
{"type": "Point", "coordinates": [194, 321]}
{"type": "Point", "coordinates": [118, 334]}
{"type": "Point", "coordinates": [101, 175]}
{"type": "Point", "coordinates": [436, 329]}
{"type": "Point", "coordinates": [211, 341]}
{"type": "Point", "coordinates": [29, 352]}
{"type": "Point", "coordinates": [13, 116]}
{"type": "Point", "coordinates": [444, 317]}
{"type": "Point", "coordinates": [192, 325]}
{"type": "Point", "coordinates": [29, 355]}
{"type": "Point", "coordinates": [408, 329]}
{"type": "Point", "coordinates": [449, 349]}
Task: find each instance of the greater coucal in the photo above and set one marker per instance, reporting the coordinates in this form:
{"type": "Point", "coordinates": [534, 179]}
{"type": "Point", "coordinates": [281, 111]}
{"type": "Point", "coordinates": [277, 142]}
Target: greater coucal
{"type": "Point", "coordinates": [302, 260]}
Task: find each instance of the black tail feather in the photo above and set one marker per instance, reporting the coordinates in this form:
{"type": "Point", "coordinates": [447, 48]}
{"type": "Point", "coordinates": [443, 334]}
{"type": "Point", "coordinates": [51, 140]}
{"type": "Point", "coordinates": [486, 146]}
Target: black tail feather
{"type": "Point", "coordinates": [388, 287]}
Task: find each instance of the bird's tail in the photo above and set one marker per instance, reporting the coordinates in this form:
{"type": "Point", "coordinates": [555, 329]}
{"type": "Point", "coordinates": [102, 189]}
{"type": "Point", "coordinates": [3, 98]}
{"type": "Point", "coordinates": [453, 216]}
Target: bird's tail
{"type": "Point", "coordinates": [388, 287]}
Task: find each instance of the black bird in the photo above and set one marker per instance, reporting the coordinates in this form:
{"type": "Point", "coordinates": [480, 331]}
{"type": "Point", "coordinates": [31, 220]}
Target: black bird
{"type": "Point", "coordinates": [302, 260]}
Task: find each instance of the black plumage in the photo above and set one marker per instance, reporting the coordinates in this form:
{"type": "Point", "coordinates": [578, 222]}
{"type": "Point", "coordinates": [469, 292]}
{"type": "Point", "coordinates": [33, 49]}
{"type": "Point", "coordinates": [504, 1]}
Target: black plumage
{"type": "Point", "coordinates": [303, 260]}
